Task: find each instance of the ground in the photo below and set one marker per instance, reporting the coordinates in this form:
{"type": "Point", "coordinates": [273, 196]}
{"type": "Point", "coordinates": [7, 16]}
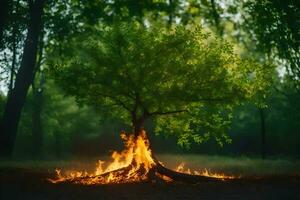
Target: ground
{"type": "Point", "coordinates": [31, 183]}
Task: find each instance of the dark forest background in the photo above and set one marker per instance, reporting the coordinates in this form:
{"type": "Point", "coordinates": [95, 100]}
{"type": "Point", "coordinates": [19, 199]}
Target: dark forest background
{"type": "Point", "coordinates": [52, 125]}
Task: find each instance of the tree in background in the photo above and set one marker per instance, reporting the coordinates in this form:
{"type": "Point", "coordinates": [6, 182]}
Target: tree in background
{"type": "Point", "coordinates": [24, 78]}
{"type": "Point", "coordinates": [13, 38]}
{"type": "Point", "coordinates": [274, 26]}
{"type": "Point", "coordinates": [268, 32]}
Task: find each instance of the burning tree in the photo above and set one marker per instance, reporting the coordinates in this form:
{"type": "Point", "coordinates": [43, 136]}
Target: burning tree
{"type": "Point", "coordinates": [183, 78]}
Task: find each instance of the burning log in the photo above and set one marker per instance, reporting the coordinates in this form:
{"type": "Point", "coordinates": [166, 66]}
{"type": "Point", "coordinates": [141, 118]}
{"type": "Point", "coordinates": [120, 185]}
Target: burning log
{"type": "Point", "coordinates": [135, 164]}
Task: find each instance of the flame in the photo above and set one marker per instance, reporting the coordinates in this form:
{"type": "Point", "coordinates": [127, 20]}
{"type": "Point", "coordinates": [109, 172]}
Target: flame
{"type": "Point", "coordinates": [130, 165]}
{"type": "Point", "coordinates": [181, 168]}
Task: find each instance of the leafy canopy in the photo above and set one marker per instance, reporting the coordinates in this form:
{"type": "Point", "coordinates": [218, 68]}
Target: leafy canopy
{"type": "Point", "coordinates": [184, 78]}
{"type": "Point", "coordinates": [274, 27]}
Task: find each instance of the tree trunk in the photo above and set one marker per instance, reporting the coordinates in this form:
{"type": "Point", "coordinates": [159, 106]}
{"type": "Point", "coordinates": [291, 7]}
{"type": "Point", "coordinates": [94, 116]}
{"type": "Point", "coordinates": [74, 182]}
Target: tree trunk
{"type": "Point", "coordinates": [57, 140]}
{"type": "Point", "coordinates": [216, 17]}
{"type": "Point", "coordinates": [263, 133]}
{"type": "Point", "coordinates": [14, 56]}
{"type": "Point", "coordinates": [14, 52]}
{"type": "Point", "coordinates": [181, 177]}
{"type": "Point", "coordinates": [24, 79]}
{"type": "Point", "coordinates": [138, 125]}
{"type": "Point", "coordinates": [171, 10]}
{"type": "Point", "coordinates": [37, 129]}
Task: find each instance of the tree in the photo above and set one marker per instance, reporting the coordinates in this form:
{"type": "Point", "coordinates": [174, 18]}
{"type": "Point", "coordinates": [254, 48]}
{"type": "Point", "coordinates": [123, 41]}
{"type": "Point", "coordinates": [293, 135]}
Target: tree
{"type": "Point", "coordinates": [268, 29]}
{"type": "Point", "coordinates": [28, 15]}
{"type": "Point", "coordinates": [37, 127]}
{"type": "Point", "coordinates": [12, 41]}
{"type": "Point", "coordinates": [24, 79]}
{"type": "Point", "coordinates": [274, 26]}
{"type": "Point", "coordinates": [60, 19]}
{"type": "Point", "coordinates": [182, 77]}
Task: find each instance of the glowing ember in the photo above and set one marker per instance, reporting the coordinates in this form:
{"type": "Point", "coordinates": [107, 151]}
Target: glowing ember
{"type": "Point", "coordinates": [180, 168]}
{"type": "Point", "coordinates": [134, 164]}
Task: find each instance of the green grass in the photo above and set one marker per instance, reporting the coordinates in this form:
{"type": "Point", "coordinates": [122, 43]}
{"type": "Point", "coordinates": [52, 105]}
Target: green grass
{"type": "Point", "coordinates": [243, 166]}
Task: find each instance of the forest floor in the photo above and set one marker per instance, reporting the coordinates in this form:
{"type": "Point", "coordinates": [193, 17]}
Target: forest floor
{"type": "Point", "coordinates": [22, 180]}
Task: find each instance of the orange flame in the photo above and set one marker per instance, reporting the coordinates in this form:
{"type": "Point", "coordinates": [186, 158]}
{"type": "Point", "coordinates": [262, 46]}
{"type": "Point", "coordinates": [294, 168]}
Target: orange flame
{"type": "Point", "coordinates": [131, 165]}
{"type": "Point", "coordinates": [181, 168]}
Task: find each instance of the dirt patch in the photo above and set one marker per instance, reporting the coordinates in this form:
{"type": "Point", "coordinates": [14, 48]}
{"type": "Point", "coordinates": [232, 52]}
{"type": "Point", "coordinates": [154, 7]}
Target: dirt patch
{"type": "Point", "coordinates": [32, 184]}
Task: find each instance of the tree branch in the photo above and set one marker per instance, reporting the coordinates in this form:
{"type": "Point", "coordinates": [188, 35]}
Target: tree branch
{"type": "Point", "coordinates": [121, 103]}
{"type": "Point", "coordinates": [116, 100]}
{"type": "Point", "coordinates": [167, 112]}
{"type": "Point", "coordinates": [281, 92]}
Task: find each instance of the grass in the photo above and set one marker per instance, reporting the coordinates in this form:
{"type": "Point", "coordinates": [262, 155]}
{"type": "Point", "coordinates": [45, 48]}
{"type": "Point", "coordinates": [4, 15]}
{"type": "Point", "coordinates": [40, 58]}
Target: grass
{"type": "Point", "coordinates": [243, 166]}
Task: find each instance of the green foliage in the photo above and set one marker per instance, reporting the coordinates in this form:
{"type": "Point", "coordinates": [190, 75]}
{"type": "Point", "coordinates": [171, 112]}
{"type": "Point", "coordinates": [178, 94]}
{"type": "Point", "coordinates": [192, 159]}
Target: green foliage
{"type": "Point", "coordinates": [201, 123]}
{"type": "Point", "coordinates": [159, 72]}
{"type": "Point", "coordinates": [63, 121]}
{"type": "Point", "coordinates": [274, 26]}
{"type": "Point", "coordinates": [11, 43]}
{"type": "Point", "coordinates": [184, 78]}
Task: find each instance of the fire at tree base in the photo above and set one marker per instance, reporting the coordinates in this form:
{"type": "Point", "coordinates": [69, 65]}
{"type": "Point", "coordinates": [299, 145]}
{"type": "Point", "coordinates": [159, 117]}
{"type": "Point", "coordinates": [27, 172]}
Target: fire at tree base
{"type": "Point", "coordinates": [135, 163]}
